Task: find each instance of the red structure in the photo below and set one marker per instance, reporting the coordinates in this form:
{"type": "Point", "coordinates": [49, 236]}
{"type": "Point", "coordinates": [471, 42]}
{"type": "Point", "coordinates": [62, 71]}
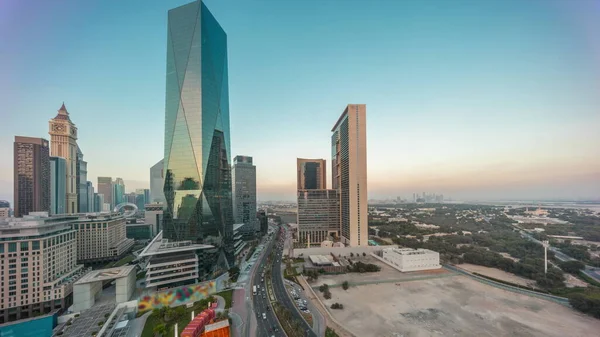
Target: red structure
{"type": "Point", "coordinates": [219, 329]}
{"type": "Point", "coordinates": [196, 326]}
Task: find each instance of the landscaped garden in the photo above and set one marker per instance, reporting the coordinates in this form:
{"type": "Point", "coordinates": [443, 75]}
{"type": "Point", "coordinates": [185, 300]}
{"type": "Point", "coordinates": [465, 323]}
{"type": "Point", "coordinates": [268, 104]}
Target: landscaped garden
{"type": "Point", "coordinates": [161, 322]}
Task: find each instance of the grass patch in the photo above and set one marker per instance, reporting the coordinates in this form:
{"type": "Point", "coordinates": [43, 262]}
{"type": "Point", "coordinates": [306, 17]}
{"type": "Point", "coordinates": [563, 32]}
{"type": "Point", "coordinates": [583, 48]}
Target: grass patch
{"type": "Point", "coordinates": [329, 332]}
{"type": "Point", "coordinates": [183, 320]}
{"type": "Point", "coordinates": [141, 275]}
{"type": "Point", "coordinates": [125, 260]}
{"type": "Point", "coordinates": [588, 279]}
{"type": "Point", "coordinates": [227, 296]}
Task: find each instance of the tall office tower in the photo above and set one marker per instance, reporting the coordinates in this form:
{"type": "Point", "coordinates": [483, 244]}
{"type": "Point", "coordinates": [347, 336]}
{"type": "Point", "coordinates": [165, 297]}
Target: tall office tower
{"type": "Point", "coordinates": [90, 197]}
{"type": "Point", "coordinates": [263, 220]}
{"type": "Point", "coordinates": [32, 175]}
{"type": "Point", "coordinates": [140, 198]}
{"type": "Point", "coordinates": [311, 174]}
{"type": "Point", "coordinates": [98, 202]}
{"type": "Point", "coordinates": [105, 187]}
{"type": "Point", "coordinates": [318, 215]}
{"type": "Point", "coordinates": [349, 175]}
{"type": "Point", "coordinates": [147, 195]}
{"type": "Point", "coordinates": [243, 175]}
{"type": "Point", "coordinates": [58, 193]}
{"type": "Point", "coordinates": [130, 198]}
{"type": "Point", "coordinates": [157, 183]}
{"type": "Point", "coordinates": [39, 266]}
{"type": "Point", "coordinates": [153, 215]}
{"type": "Point", "coordinates": [4, 209]}
{"type": "Point", "coordinates": [119, 192]}
{"type": "Point", "coordinates": [196, 161]}
{"type": "Point", "coordinates": [82, 194]}
{"type": "Point", "coordinates": [63, 142]}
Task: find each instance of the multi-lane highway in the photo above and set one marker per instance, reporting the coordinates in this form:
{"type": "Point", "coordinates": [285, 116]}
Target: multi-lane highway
{"type": "Point", "coordinates": [267, 324]}
{"type": "Point", "coordinates": [280, 291]}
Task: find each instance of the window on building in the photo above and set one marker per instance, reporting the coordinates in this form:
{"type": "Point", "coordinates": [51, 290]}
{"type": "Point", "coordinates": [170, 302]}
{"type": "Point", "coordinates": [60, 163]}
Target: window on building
{"type": "Point", "coordinates": [12, 247]}
{"type": "Point", "coordinates": [24, 246]}
{"type": "Point", "coordinates": [35, 245]}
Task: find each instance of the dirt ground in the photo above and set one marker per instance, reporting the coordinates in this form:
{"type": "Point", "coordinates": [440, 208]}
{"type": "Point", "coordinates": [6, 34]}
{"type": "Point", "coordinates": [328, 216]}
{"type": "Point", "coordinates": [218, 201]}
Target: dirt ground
{"type": "Point", "coordinates": [497, 274]}
{"type": "Point", "coordinates": [453, 306]}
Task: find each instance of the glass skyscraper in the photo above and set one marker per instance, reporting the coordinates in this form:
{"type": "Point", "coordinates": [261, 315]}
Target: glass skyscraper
{"type": "Point", "coordinates": [197, 173]}
{"type": "Point", "coordinates": [58, 183]}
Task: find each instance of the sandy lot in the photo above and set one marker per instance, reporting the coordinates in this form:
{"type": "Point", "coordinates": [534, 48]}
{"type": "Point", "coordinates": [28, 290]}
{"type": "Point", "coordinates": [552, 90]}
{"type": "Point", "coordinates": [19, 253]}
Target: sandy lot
{"type": "Point", "coordinates": [453, 306]}
{"type": "Point", "coordinates": [497, 274]}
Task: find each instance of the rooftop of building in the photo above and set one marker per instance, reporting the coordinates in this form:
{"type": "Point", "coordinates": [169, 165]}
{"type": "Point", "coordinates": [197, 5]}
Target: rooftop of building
{"type": "Point", "coordinates": [158, 246]}
{"type": "Point", "coordinates": [319, 260]}
{"type": "Point", "coordinates": [410, 251]}
{"type": "Point", "coordinates": [106, 274]}
{"type": "Point", "coordinates": [216, 326]}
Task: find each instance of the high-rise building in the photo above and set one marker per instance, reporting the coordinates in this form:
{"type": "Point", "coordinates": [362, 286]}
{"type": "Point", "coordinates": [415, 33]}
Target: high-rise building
{"type": "Point", "coordinates": [63, 142]}
{"type": "Point", "coordinates": [318, 215]}
{"type": "Point", "coordinates": [243, 175]}
{"type": "Point", "coordinates": [119, 192]}
{"type": "Point", "coordinates": [157, 183]}
{"type": "Point", "coordinates": [130, 198]}
{"type": "Point", "coordinates": [349, 173]}
{"type": "Point", "coordinates": [105, 187]}
{"type": "Point", "coordinates": [98, 202]}
{"type": "Point", "coordinates": [311, 174]}
{"type": "Point", "coordinates": [32, 175]}
{"type": "Point", "coordinates": [4, 209]}
{"type": "Point", "coordinates": [82, 195]}
{"type": "Point", "coordinates": [264, 221]}
{"type": "Point", "coordinates": [147, 195]}
{"type": "Point", "coordinates": [39, 266]}
{"type": "Point", "coordinates": [100, 237]}
{"type": "Point", "coordinates": [197, 185]}
{"type": "Point", "coordinates": [90, 197]}
{"type": "Point", "coordinates": [154, 217]}
{"type": "Point", "coordinates": [140, 198]}
{"type": "Point", "coordinates": [58, 193]}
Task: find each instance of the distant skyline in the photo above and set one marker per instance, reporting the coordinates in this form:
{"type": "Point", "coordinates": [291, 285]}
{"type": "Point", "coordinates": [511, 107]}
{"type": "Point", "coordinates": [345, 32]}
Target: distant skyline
{"type": "Point", "coordinates": [471, 99]}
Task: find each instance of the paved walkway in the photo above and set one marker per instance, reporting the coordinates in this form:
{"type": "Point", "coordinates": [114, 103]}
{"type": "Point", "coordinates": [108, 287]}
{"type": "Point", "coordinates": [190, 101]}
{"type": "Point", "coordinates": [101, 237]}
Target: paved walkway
{"type": "Point", "coordinates": [136, 326]}
{"type": "Point", "coordinates": [329, 320]}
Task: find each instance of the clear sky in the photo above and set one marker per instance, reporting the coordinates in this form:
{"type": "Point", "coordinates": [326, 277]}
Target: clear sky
{"type": "Point", "coordinates": [475, 99]}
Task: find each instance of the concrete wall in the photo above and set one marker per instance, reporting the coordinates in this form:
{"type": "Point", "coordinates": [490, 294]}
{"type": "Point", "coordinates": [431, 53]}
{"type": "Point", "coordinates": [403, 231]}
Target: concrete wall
{"type": "Point", "coordinates": [344, 251]}
{"type": "Point", "coordinates": [125, 287]}
{"type": "Point", "coordinates": [84, 295]}
{"type": "Point", "coordinates": [412, 262]}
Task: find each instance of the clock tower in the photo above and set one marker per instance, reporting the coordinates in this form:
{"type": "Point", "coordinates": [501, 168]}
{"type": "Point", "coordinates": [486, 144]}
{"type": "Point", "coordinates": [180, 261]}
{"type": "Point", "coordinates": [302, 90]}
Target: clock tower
{"type": "Point", "coordinates": [63, 143]}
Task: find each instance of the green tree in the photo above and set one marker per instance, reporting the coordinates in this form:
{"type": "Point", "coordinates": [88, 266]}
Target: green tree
{"type": "Point", "coordinates": [345, 285]}
{"type": "Point", "coordinates": [571, 267]}
{"type": "Point", "coordinates": [160, 329]}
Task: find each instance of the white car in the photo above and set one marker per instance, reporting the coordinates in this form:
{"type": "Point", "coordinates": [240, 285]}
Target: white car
{"type": "Point", "coordinates": [264, 316]}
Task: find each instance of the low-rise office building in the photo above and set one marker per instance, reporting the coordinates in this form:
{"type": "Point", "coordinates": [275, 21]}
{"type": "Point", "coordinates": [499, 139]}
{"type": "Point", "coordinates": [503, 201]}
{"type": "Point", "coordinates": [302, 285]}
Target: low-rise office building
{"type": "Point", "coordinates": [171, 264]}
{"type": "Point", "coordinates": [39, 266]}
{"type": "Point", "coordinates": [408, 259]}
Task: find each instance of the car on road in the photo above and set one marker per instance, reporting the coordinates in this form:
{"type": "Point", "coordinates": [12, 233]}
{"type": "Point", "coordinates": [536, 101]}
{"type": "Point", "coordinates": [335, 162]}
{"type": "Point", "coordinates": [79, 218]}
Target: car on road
{"type": "Point", "coordinates": [264, 315]}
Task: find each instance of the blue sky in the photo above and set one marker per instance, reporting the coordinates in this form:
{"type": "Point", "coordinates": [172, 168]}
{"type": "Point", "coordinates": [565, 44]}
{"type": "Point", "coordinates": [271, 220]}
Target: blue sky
{"type": "Point", "coordinates": [476, 99]}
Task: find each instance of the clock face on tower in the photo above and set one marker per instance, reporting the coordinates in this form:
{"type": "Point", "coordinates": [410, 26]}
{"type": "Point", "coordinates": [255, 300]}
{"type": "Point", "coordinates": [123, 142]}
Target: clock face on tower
{"type": "Point", "coordinates": [58, 127]}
